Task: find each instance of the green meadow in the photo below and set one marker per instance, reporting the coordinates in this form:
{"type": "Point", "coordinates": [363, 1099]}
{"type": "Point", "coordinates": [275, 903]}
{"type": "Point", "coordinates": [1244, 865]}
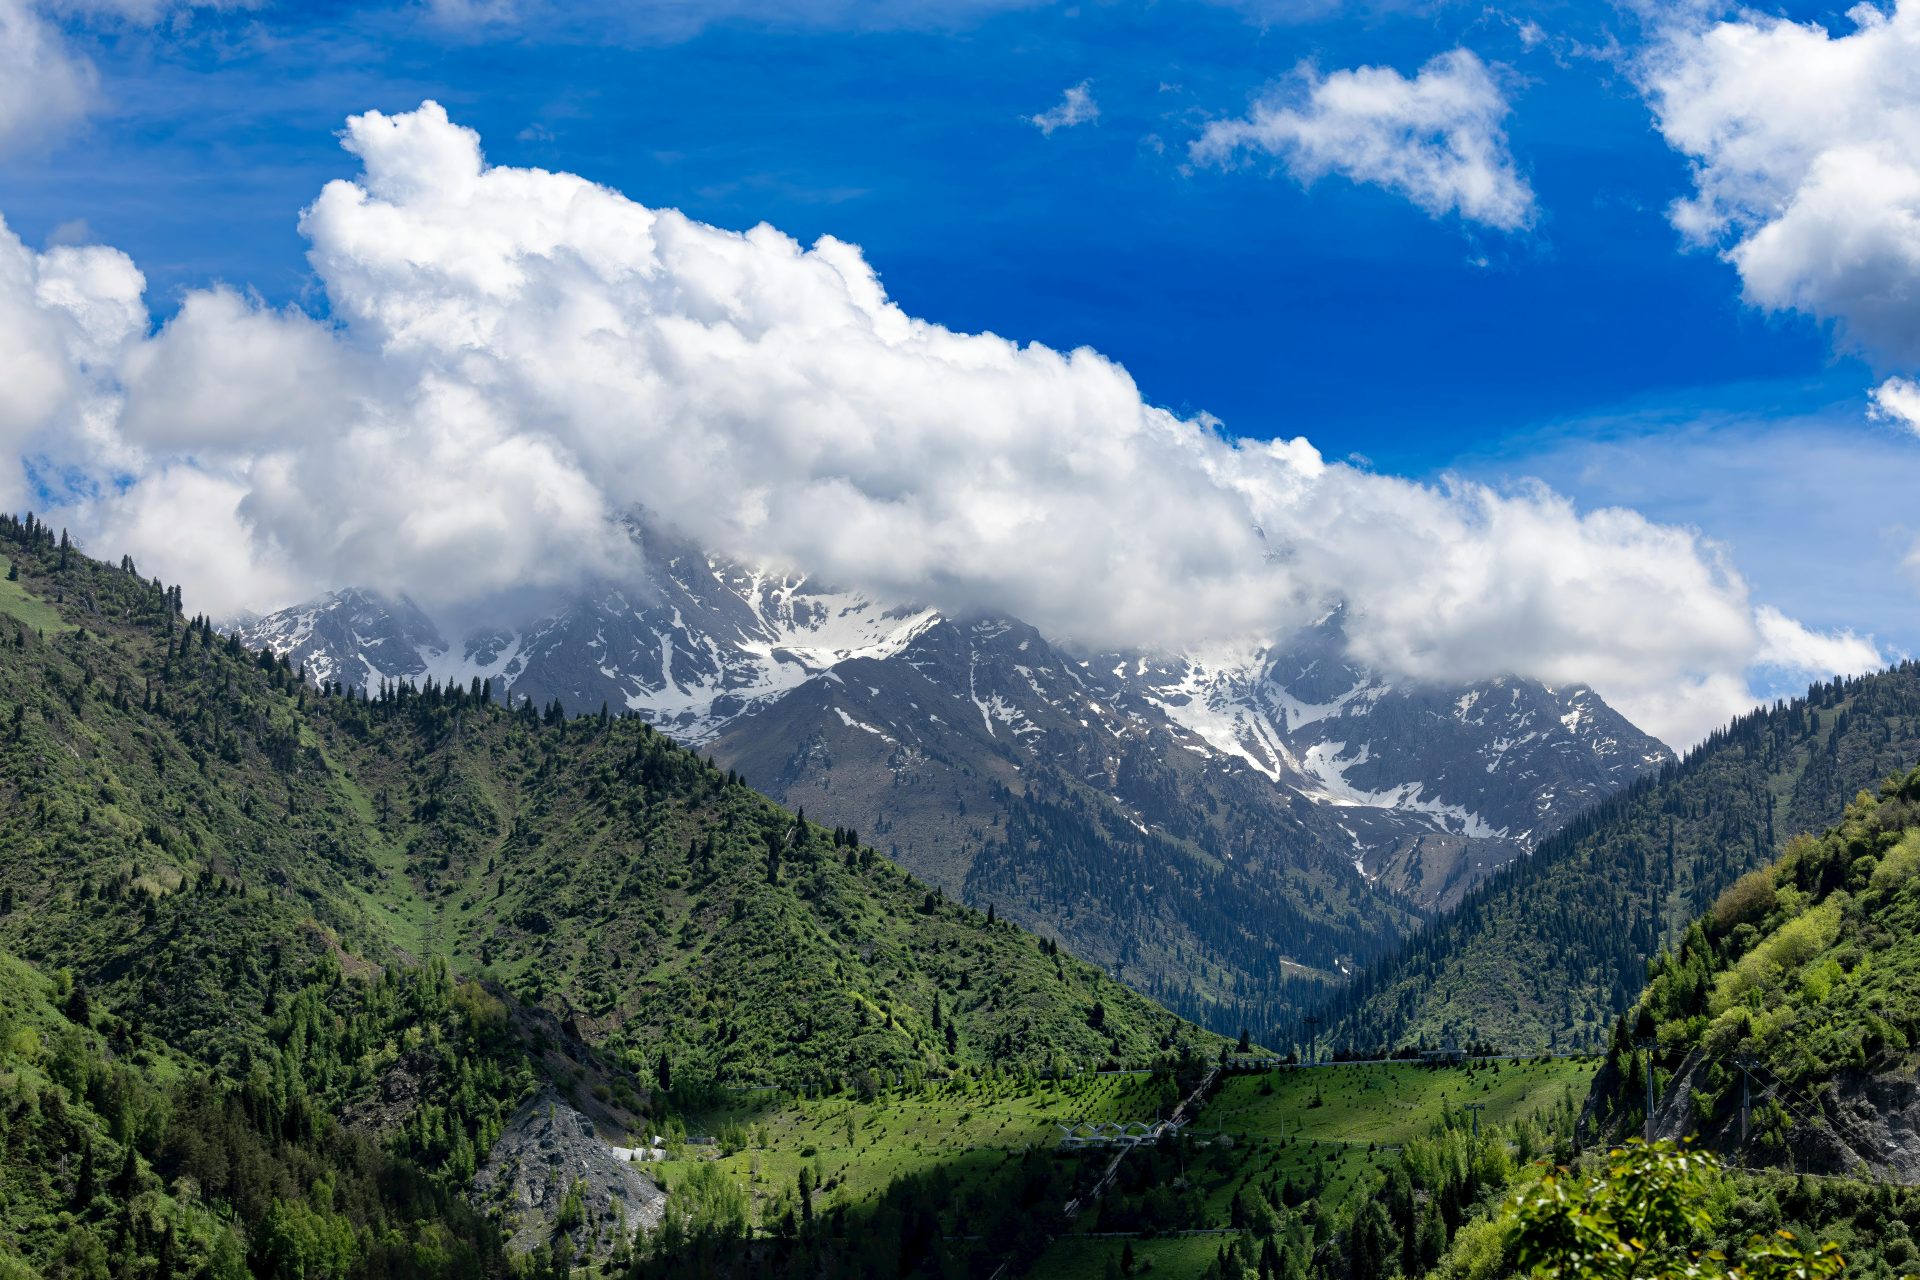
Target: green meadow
{"type": "Point", "coordinates": [1328, 1134]}
{"type": "Point", "coordinates": [19, 603]}
{"type": "Point", "coordinates": [1388, 1103]}
{"type": "Point", "coordinates": [856, 1148]}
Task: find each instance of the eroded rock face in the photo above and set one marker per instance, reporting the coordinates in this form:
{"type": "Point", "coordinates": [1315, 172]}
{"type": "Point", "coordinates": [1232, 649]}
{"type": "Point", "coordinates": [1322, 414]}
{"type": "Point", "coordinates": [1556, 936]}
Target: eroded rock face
{"type": "Point", "coordinates": [1859, 1123]}
{"type": "Point", "coordinates": [1873, 1124]}
{"type": "Point", "coordinates": [550, 1153]}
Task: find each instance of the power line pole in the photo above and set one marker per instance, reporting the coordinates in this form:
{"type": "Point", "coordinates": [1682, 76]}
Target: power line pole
{"type": "Point", "coordinates": [1746, 1062]}
{"type": "Point", "coordinates": [1476, 1108]}
{"type": "Point", "coordinates": [1646, 1047]}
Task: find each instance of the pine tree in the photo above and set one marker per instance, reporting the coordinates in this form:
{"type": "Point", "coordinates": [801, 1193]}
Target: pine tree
{"type": "Point", "coordinates": [79, 1006]}
{"type": "Point", "coordinates": [163, 1264]}
{"type": "Point", "coordinates": [127, 1181]}
{"type": "Point", "coordinates": [83, 1187]}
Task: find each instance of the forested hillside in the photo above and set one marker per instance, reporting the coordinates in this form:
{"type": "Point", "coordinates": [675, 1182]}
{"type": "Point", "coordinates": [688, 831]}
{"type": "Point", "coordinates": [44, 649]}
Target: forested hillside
{"type": "Point", "coordinates": [279, 962]}
{"type": "Point", "coordinates": [1547, 953]}
{"type": "Point", "coordinates": [1804, 978]}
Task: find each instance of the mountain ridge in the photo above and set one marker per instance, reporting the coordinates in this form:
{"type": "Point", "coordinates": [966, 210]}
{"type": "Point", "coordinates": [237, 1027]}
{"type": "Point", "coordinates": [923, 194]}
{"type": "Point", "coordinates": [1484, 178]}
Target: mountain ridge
{"type": "Point", "coordinates": [1228, 831]}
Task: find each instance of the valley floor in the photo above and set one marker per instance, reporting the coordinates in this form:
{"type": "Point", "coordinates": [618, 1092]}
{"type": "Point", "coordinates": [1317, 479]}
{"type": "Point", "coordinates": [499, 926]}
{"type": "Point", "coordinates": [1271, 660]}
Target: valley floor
{"type": "Point", "coordinates": [1329, 1132]}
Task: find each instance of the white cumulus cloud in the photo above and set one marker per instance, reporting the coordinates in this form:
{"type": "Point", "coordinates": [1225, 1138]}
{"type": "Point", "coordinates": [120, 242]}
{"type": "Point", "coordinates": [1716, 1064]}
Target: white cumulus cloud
{"type": "Point", "coordinates": [1075, 107]}
{"type": "Point", "coordinates": [515, 358]}
{"type": "Point", "coordinates": [1897, 400]}
{"type": "Point", "coordinates": [1790, 646]}
{"type": "Point", "coordinates": [67, 318]}
{"type": "Point", "coordinates": [1438, 139]}
{"type": "Point", "coordinates": [1806, 162]}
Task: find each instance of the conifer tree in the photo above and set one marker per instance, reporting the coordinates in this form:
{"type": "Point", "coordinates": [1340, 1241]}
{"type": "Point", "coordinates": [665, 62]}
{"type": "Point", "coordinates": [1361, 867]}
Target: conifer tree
{"type": "Point", "coordinates": [127, 1181]}
{"type": "Point", "coordinates": [83, 1186]}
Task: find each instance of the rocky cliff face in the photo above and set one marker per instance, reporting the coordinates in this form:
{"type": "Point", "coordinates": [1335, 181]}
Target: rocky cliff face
{"type": "Point", "coordinates": [1423, 789]}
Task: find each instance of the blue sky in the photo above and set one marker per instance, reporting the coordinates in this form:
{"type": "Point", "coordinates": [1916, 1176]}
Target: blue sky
{"type": "Point", "coordinates": [1592, 348]}
{"type": "Point", "coordinates": [1337, 311]}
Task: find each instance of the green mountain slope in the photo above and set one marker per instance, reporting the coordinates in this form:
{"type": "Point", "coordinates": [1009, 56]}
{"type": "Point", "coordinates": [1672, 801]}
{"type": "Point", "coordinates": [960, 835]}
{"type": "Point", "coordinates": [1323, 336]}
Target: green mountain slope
{"type": "Point", "coordinates": [1550, 950]}
{"type": "Point", "coordinates": [668, 908]}
{"type": "Point", "coordinates": [1781, 1033]}
{"type": "Point", "coordinates": [319, 947]}
{"type": "Point", "coordinates": [1804, 978]}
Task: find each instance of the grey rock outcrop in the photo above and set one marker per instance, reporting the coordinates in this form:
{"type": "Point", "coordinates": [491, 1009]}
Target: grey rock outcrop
{"type": "Point", "coordinates": [549, 1153]}
{"type": "Point", "coordinates": [1859, 1123]}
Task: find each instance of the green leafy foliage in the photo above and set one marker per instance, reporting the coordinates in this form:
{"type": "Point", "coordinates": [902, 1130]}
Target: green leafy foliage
{"type": "Point", "coordinates": [675, 911]}
{"type": "Point", "coordinates": [1384, 1178]}
{"type": "Point", "coordinates": [172, 1168]}
{"type": "Point", "coordinates": [1642, 1216]}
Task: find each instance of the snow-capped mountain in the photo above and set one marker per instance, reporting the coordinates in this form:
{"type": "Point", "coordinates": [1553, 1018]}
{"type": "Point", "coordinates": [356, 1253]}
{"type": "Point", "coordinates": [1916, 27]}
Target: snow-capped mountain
{"type": "Point", "coordinates": [1497, 764]}
{"type": "Point", "coordinates": [696, 644]}
{"type": "Point", "coordinates": [1215, 827]}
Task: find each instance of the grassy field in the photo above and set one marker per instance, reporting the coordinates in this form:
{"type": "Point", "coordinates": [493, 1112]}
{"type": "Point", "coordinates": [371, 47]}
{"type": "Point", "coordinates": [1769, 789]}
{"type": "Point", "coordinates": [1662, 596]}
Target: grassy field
{"type": "Point", "coordinates": [1387, 1103]}
{"type": "Point", "coordinates": [856, 1148]}
{"type": "Point", "coordinates": [1329, 1128]}
{"type": "Point", "coordinates": [17, 602]}
{"type": "Point", "coordinates": [1082, 1258]}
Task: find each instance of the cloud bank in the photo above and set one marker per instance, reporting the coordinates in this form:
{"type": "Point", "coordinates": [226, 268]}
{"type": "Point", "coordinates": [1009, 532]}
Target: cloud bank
{"type": "Point", "coordinates": [1437, 139]}
{"type": "Point", "coordinates": [515, 357]}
